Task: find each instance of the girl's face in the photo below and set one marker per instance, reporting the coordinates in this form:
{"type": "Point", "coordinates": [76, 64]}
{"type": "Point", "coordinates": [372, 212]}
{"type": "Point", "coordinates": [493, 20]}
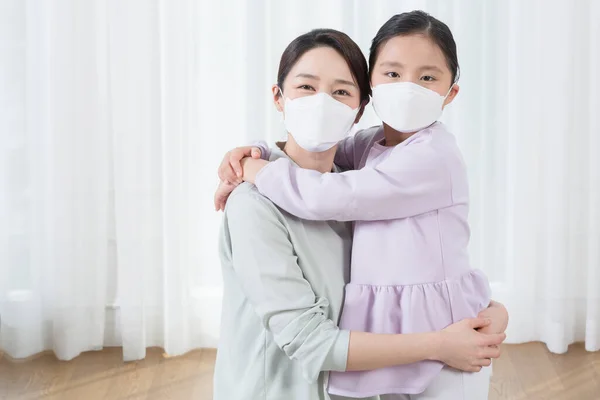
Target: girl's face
{"type": "Point", "coordinates": [416, 59]}
{"type": "Point", "coordinates": [319, 70]}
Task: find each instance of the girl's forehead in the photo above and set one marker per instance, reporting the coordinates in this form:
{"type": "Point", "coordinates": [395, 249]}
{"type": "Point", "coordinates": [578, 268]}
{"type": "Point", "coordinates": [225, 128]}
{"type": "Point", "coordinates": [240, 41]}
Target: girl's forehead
{"type": "Point", "coordinates": [410, 50]}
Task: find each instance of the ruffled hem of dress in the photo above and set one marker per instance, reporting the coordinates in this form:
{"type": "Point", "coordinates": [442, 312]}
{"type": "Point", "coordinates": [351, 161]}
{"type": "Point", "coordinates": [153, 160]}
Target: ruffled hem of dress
{"type": "Point", "coordinates": [413, 308]}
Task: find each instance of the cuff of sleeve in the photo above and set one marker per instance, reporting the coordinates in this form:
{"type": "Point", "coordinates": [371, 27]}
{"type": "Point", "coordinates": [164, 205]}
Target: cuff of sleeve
{"type": "Point", "coordinates": [337, 358]}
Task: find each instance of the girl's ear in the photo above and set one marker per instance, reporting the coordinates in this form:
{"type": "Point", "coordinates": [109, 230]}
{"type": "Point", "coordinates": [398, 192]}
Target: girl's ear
{"type": "Point", "coordinates": [453, 92]}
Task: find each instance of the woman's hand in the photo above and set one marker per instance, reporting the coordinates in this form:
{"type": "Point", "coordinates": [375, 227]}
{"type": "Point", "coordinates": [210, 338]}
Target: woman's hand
{"type": "Point", "coordinates": [230, 170]}
{"type": "Point", "coordinates": [462, 347]}
{"type": "Point", "coordinates": [499, 316]}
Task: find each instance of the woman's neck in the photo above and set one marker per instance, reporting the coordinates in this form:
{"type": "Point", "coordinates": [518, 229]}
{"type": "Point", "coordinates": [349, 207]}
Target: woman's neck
{"type": "Point", "coordinates": [321, 161]}
{"type": "Point", "coordinates": [393, 137]}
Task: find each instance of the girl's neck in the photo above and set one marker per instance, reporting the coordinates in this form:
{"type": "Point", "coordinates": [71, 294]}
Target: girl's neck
{"type": "Point", "coordinates": [393, 137]}
{"type": "Point", "coordinates": [322, 161]}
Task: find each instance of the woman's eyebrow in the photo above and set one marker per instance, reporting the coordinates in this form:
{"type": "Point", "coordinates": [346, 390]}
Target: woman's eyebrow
{"type": "Point", "coordinates": [316, 78]}
{"type": "Point", "coordinates": [344, 82]}
{"type": "Point", "coordinates": [309, 76]}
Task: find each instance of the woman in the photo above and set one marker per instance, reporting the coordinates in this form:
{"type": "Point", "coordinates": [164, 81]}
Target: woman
{"type": "Point", "coordinates": [284, 277]}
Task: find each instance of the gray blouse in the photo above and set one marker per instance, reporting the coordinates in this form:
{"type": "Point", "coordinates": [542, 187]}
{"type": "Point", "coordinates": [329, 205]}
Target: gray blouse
{"type": "Point", "coordinates": [284, 283]}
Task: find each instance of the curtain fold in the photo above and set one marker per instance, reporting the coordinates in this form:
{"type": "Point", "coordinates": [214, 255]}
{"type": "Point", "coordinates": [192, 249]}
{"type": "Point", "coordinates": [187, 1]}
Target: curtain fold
{"type": "Point", "coordinates": [114, 116]}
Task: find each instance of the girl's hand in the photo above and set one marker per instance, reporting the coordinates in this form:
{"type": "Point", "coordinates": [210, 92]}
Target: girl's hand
{"type": "Point", "coordinates": [222, 194]}
{"type": "Point", "coordinates": [250, 167]}
{"type": "Point", "coordinates": [230, 170]}
{"type": "Point", "coordinates": [462, 347]}
{"type": "Point", "coordinates": [499, 316]}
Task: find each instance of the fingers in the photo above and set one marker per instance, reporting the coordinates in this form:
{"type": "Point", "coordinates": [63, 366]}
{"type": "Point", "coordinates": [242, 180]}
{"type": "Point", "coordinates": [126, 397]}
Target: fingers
{"type": "Point", "coordinates": [483, 362]}
{"type": "Point", "coordinates": [234, 162]}
{"type": "Point", "coordinates": [222, 194]}
{"type": "Point", "coordinates": [490, 352]}
{"type": "Point", "coordinates": [493, 339]}
{"type": "Point", "coordinates": [237, 155]}
{"type": "Point", "coordinates": [472, 368]}
{"type": "Point", "coordinates": [229, 177]}
{"type": "Point", "coordinates": [226, 172]}
{"type": "Point", "coordinates": [218, 200]}
{"type": "Point", "coordinates": [255, 153]}
{"type": "Point", "coordinates": [479, 322]}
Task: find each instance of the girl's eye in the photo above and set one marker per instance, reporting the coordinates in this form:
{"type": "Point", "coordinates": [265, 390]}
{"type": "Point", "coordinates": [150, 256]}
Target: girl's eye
{"type": "Point", "coordinates": [393, 74]}
{"type": "Point", "coordinates": [306, 87]}
{"type": "Point", "coordinates": [341, 92]}
{"type": "Point", "coordinates": [428, 78]}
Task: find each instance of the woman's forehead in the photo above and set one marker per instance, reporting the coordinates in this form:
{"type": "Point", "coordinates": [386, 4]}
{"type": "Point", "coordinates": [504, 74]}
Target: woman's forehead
{"type": "Point", "coordinates": [321, 63]}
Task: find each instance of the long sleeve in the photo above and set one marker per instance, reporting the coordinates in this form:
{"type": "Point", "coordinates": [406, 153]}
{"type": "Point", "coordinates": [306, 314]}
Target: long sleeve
{"type": "Point", "coordinates": [411, 181]}
{"type": "Point", "coordinates": [351, 149]}
{"type": "Point", "coordinates": [344, 155]}
{"type": "Point", "coordinates": [266, 265]}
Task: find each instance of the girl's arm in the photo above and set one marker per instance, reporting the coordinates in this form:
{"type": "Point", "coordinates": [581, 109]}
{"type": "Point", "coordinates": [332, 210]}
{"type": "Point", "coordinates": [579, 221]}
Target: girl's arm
{"type": "Point", "coordinates": [344, 155]}
{"type": "Point", "coordinates": [408, 183]}
{"type": "Point", "coordinates": [498, 314]}
{"type": "Point", "coordinates": [348, 154]}
{"type": "Point", "coordinates": [460, 346]}
{"type": "Point", "coordinates": [264, 261]}
{"type": "Point", "coordinates": [230, 170]}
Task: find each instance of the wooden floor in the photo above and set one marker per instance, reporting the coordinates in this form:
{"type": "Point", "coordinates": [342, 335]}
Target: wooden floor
{"type": "Point", "coordinates": [523, 372]}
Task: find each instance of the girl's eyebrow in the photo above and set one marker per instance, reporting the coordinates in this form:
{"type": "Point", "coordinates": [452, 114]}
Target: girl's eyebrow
{"type": "Point", "coordinates": [391, 64]}
{"type": "Point", "coordinates": [430, 68]}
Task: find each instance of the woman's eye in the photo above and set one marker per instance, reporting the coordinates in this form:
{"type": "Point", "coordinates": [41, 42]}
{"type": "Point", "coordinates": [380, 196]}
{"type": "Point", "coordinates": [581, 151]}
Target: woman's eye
{"type": "Point", "coordinates": [393, 74]}
{"type": "Point", "coordinates": [428, 78]}
{"type": "Point", "coordinates": [341, 92]}
{"type": "Point", "coordinates": [305, 87]}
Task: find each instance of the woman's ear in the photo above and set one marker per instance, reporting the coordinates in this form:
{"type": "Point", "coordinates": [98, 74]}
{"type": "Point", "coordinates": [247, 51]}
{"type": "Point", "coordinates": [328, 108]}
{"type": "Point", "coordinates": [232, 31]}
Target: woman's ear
{"type": "Point", "coordinates": [277, 97]}
{"type": "Point", "coordinates": [453, 92]}
{"type": "Point", "coordinates": [361, 111]}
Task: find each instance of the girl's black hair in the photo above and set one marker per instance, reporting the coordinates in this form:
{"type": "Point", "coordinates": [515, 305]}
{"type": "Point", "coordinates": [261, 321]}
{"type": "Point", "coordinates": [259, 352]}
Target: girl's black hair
{"type": "Point", "coordinates": [418, 22]}
{"type": "Point", "coordinates": [336, 40]}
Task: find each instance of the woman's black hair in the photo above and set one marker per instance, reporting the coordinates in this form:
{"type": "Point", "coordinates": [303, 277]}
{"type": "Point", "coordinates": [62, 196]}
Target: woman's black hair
{"type": "Point", "coordinates": [336, 40]}
{"type": "Point", "coordinates": [418, 22]}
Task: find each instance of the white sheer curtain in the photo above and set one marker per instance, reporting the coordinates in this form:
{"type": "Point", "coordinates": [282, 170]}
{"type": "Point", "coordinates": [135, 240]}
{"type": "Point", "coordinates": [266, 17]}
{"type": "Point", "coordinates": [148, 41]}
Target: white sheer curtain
{"type": "Point", "coordinates": [114, 115]}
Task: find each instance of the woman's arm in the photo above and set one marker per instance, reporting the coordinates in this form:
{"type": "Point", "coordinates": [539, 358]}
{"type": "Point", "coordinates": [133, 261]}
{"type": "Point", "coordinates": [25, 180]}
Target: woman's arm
{"type": "Point", "coordinates": [265, 262]}
{"type": "Point", "coordinates": [408, 183]}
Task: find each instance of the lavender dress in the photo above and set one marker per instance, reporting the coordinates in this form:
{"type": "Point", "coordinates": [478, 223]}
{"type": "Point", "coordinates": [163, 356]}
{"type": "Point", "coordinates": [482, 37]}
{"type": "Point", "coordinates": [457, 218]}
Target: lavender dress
{"type": "Point", "coordinates": [410, 269]}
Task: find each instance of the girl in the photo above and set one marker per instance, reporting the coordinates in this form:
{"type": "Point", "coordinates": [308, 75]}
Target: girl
{"type": "Point", "coordinates": [409, 197]}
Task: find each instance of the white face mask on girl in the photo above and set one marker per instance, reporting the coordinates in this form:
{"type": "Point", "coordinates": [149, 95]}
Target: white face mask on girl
{"type": "Point", "coordinates": [406, 106]}
{"type": "Point", "coordinates": [318, 122]}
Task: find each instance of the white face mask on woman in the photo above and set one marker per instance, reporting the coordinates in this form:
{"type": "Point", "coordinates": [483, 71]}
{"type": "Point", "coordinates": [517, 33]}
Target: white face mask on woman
{"type": "Point", "coordinates": [318, 122]}
{"type": "Point", "coordinates": [406, 106]}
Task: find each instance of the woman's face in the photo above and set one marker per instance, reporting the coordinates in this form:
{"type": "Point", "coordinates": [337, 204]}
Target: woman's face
{"type": "Point", "coordinates": [320, 70]}
{"type": "Point", "coordinates": [416, 59]}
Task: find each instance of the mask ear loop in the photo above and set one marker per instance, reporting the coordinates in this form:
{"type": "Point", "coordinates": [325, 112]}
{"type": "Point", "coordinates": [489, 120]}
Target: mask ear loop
{"type": "Point", "coordinates": [449, 90]}
{"type": "Point", "coordinates": [281, 118]}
